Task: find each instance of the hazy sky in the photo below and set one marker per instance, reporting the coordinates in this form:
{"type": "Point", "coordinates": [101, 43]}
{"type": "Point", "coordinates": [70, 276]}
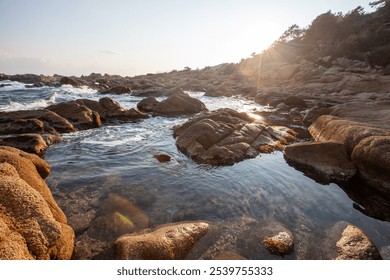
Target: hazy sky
{"type": "Point", "coordinates": [132, 37]}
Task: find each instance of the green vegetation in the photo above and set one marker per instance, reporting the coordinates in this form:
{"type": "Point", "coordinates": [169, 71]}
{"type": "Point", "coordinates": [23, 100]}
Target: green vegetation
{"type": "Point", "coordinates": [354, 35]}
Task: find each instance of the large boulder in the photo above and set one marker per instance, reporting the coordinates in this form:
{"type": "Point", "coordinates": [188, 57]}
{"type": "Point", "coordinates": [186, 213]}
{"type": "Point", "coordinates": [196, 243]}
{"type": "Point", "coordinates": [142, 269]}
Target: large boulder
{"type": "Point", "coordinates": [32, 226]}
{"type": "Point", "coordinates": [168, 242]}
{"type": "Point", "coordinates": [70, 81]}
{"type": "Point", "coordinates": [148, 104]}
{"type": "Point", "coordinates": [31, 143]}
{"type": "Point", "coordinates": [50, 121]}
{"type": "Point", "coordinates": [331, 128]}
{"type": "Point", "coordinates": [225, 136]}
{"type": "Point", "coordinates": [368, 146]}
{"type": "Point", "coordinates": [179, 104]}
{"type": "Point", "coordinates": [79, 115]}
{"type": "Point", "coordinates": [372, 157]}
{"type": "Point", "coordinates": [324, 161]}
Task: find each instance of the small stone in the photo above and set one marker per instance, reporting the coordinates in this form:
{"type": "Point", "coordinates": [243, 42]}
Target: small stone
{"type": "Point", "coordinates": [280, 244]}
{"type": "Point", "coordinates": [162, 157]}
{"type": "Point", "coordinates": [355, 245]}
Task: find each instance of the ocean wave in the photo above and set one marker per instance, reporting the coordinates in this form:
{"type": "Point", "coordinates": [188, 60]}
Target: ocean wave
{"type": "Point", "coordinates": [37, 104]}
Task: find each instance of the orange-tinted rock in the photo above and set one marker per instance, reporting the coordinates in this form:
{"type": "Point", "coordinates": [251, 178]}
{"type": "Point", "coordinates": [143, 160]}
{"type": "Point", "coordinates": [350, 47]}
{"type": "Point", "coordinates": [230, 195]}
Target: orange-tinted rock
{"type": "Point", "coordinates": [31, 224]}
{"type": "Point", "coordinates": [168, 242]}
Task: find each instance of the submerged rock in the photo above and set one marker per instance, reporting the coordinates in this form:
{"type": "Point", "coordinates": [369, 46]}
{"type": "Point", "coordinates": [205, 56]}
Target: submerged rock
{"type": "Point", "coordinates": [168, 242]}
{"type": "Point", "coordinates": [32, 226]}
{"type": "Point", "coordinates": [225, 136]}
{"type": "Point", "coordinates": [279, 244]}
{"type": "Point", "coordinates": [324, 161]}
{"type": "Point", "coordinates": [355, 245]}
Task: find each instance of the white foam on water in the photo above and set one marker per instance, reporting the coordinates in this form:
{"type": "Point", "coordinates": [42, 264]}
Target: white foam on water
{"type": "Point", "coordinates": [12, 85]}
{"type": "Point", "coordinates": [38, 104]}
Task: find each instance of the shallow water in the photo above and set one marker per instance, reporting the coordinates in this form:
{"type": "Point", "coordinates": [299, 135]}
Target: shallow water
{"type": "Point", "coordinates": [119, 159]}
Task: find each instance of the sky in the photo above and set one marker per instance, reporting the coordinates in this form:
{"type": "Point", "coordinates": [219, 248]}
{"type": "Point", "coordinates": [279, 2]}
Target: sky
{"type": "Point", "coordinates": [136, 37]}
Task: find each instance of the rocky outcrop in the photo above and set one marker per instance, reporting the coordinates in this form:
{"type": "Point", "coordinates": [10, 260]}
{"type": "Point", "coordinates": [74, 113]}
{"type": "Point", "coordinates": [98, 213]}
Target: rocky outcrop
{"type": "Point", "coordinates": [355, 245]}
{"type": "Point", "coordinates": [110, 110]}
{"type": "Point", "coordinates": [372, 157]}
{"type": "Point", "coordinates": [323, 161]}
{"type": "Point", "coordinates": [168, 242]}
{"type": "Point", "coordinates": [179, 104]}
{"type": "Point", "coordinates": [367, 146]}
{"type": "Point", "coordinates": [34, 131]}
{"type": "Point", "coordinates": [118, 90]}
{"type": "Point", "coordinates": [148, 104]}
{"type": "Point", "coordinates": [49, 121]}
{"type": "Point", "coordinates": [70, 81]}
{"type": "Point", "coordinates": [79, 115]}
{"type": "Point", "coordinates": [32, 226]}
{"type": "Point", "coordinates": [31, 143]}
{"type": "Point", "coordinates": [225, 136]}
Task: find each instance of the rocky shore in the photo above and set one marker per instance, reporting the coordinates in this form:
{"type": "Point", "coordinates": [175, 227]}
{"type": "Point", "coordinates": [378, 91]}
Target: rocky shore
{"type": "Point", "coordinates": [339, 113]}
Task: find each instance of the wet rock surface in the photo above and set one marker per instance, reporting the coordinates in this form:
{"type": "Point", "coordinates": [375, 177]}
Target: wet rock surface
{"type": "Point", "coordinates": [279, 244]}
{"type": "Point", "coordinates": [324, 161]}
{"type": "Point", "coordinates": [366, 145]}
{"type": "Point", "coordinates": [224, 137]}
{"type": "Point", "coordinates": [32, 225]}
{"type": "Point", "coordinates": [169, 242]}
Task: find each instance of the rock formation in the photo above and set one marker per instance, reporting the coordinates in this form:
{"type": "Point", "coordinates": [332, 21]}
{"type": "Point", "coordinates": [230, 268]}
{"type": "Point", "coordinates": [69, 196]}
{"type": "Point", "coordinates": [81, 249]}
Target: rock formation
{"type": "Point", "coordinates": [224, 137]}
{"type": "Point", "coordinates": [32, 225]}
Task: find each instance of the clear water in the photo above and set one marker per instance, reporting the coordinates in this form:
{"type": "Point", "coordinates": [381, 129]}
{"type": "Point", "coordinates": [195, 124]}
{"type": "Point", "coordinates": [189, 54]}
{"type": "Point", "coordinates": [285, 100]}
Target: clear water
{"type": "Point", "coordinates": [119, 158]}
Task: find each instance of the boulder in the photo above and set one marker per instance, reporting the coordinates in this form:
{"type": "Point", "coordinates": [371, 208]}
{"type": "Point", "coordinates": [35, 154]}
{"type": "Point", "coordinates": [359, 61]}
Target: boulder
{"type": "Point", "coordinates": [167, 242]}
{"type": "Point", "coordinates": [20, 126]}
{"type": "Point", "coordinates": [179, 104]}
{"type": "Point", "coordinates": [50, 121]}
{"type": "Point", "coordinates": [323, 161]}
{"type": "Point", "coordinates": [148, 104]}
{"type": "Point", "coordinates": [367, 146]}
{"type": "Point", "coordinates": [31, 224]}
{"type": "Point", "coordinates": [314, 113]}
{"type": "Point", "coordinates": [225, 136]}
{"type": "Point", "coordinates": [355, 245]}
{"type": "Point", "coordinates": [372, 157]}
{"type": "Point", "coordinates": [31, 143]}
{"type": "Point", "coordinates": [118, 90]}
{"type": "Point", "coordinates": [110, 110]}
{"type": "Point", "coordinates": [295, 102]}
{"type": "Point", "coordinates": [79, 115]}
{"type": "Point", "coordinates": [330, 128]}
{"type": "Point", "coordinates": [70, 81]}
